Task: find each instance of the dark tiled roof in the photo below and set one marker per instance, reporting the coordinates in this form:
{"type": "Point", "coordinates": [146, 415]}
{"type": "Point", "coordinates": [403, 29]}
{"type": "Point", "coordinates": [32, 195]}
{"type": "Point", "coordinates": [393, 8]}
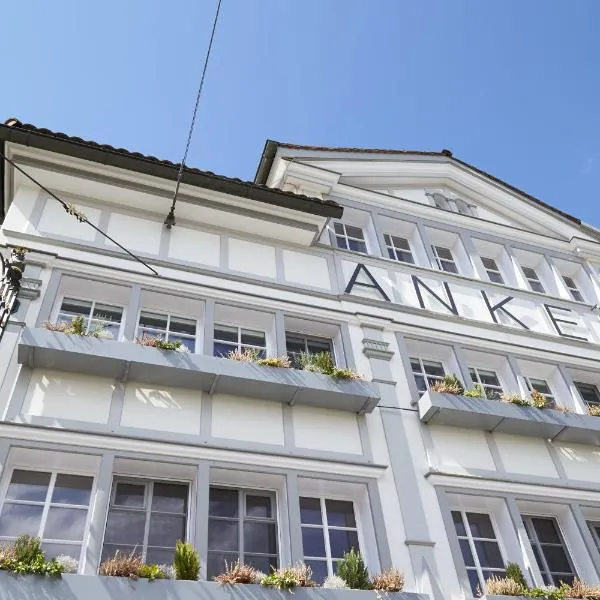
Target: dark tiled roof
{"type": "Point", "coordinates": [272, 145]}
{"type": "Point", "coordinates": [23, 133]}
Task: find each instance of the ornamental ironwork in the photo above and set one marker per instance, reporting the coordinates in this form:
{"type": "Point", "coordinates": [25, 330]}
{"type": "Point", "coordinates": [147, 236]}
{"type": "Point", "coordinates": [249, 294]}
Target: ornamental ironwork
{"type": "Point", "coordinates": [10, 284]}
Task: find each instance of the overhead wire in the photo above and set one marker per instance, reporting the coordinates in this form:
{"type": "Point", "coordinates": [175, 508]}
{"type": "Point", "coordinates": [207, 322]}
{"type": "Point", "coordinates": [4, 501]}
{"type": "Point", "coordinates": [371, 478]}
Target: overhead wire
{"type": "Point", "coordinates": [170, 219]}
{"type": "Point", "coordinates": [70, 209]}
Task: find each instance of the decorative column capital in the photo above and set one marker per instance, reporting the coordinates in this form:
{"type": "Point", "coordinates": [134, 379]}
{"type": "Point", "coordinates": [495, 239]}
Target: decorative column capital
{"type": "Point", "coordinates": [377, 349]}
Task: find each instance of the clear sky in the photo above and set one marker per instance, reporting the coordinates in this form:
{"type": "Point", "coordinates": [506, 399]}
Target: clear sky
{"type": "Point", "coordinates": [511, 86]}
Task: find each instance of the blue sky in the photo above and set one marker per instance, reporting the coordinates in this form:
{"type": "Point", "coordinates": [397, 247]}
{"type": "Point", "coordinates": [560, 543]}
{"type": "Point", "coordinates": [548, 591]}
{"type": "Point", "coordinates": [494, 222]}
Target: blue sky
{"type": "Point", "coordinates": [510, 86]}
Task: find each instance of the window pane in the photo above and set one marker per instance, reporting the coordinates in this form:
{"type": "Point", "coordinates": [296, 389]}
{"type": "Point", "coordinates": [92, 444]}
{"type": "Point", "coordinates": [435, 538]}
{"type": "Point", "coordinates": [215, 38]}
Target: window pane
{"type": "Point", "coordinates": [340, 513]}
{"type": "Point", "coordinates": [339, 228]}
{"type": "Point", "coordinates": [72, 489]}
{"type": "Point", "coordinates": [107, 312]}
{"type": "Point", "coordinates": [160, 556]}
{"type": "Point", "coordinates": [217, 563]}
{"type": "Point", "coordinates": [433, 368]}
{"type": "Point", "coordinates": [319, 570]}
{"type": "Point", "coordinates": [546, 530]}
{"type": "Point", "coordinates": [557, 559]}
{"type": "Point", "coordinates": [529, 273]}
{"type": "Point", "coordinates": [313, 541]}
{"type": "Point", "coordinates": [20, 519]}
{"type": "Point", "coordinates": [480, 524]}
{"type": "Point", "coordinates": [260, 537]}
{"type": "Point", "coordinates": [342, 541]}
{"type": "Point", "coordinates": [28, 485]}
{"type": "Point", "coordinates": [355, 232]}
{"type": "Point", "coordinates": [467, 555]}
{"type": "Point", "coordinates": [489, 263]}
{"type": "Point", "coordinates": [125, 527]}
{"type": "Point", "coordinates": [356, 246]}
{"type": "Point", "coordinates": [179, 325]}
{"type": "Point", "coordinates": [489, 555]}
{"type": "Point", "coordinates": [458, 523]}
{"type": "Point", "coordinates": [189, 343]}
{"type": "Point", "coordinates": [489, 378]}
{"type": "Point", "coordinates": [153, 320]}
{"type": "Point", "coordinates": [495, 277]}
{"type": "Point", "coordinates": [53, 550]}
{"type": "Point", "coordinates": [420, 381]}
{"type": "Point", "coordinates": [443, 253]}
{"type": "Point", "coordinates": [253, 338]}
{"type": "Point", "coordinates": [476, 587]}
{"type": "Point", "coordinates": [264, 564]}
{"type": "Point", "coordinates": [223, 535]}
{"type": "Point", "coordinates": [223, 502]}
{"type": "Point", "coordinates": [77, 307]}
{"type": "Point", "coordinates": [295, 343]}
{"type": "Point", "coordinates": [588, 392]}
{"type": "Point", "coordinates": [169, 497]}
{"type": "Point", "coordinates": [341, 242]}
{"type": "Point", "coordinates": [315, 346]}
{"type": "Point", "coordinates": [223, 350]}
{"type": "Point", "coordinates": [109, 551]}
{"type": "Point", "coordinates": [65, 524]}
{"type": "Point", "coordinates": [259, 506]}
{"type": "Point", "coordinates": [310, 511]}
{"type": "Point", "coordinates": [226, 333]}
{"type": "Point", "coordinates": [165, 530]}
{"type": "Point", "coordinates": [129, 494]}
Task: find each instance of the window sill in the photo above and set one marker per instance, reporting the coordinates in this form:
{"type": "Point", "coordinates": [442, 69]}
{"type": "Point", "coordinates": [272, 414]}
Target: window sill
{"type": "Point", "coordinates": [43, 349]}
{"type": "Point", "coordinates": [492, 415]}
{"type": "Point", "coordinates": [85, 587]}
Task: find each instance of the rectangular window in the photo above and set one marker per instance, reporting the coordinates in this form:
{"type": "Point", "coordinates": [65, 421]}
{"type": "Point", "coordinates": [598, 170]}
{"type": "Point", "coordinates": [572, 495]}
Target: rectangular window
{"type": "Point", "coordinates": [146, 518]}
{"type": "Point", "coordinates": [329, 530]}
{"type": "Point", "coordinates": [230, 338]}
{"type": "Point", "coordinates": [398, 248]}
{"type": "Point", "coordinates": [479, 548]}
{"type": "Point", "coordinates": [488, 380]}
{"type": "Point", "coordinates": [589, 392]}
{"type": "Point", "coordinates": [96, 315]}
{"type": "Point", "coordinates": [541, 385]}
{"type": "Point", "coordinates": [444, 259]}
{"type": "Point", "coordinates": [297, 344]}
{"type": "Point", "coordinates": [549, 550]}
{"type": "Point", "coordinates": [533, 280]}
{"type": "Point", "coordinates": [492, 269]}
{"type": "Point", "coordinates": [242, 525]}
{"type": "Point", "coordinates": [169, 328]}
{"type": "Point", "coordinates": [349, 237]}
{"type": "Point", "coordinates": [426, 373]}
{"type": "Point", "coordinates": [50, 505]}
{"type": "Point", "coordinates": [595, 531]}
{"type": "Point", "coordinates": [573, 289]}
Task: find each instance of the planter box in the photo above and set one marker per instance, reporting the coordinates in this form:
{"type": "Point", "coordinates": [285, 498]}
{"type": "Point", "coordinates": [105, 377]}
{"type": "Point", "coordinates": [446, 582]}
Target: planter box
{"type": "Point", "coordinates": [492, 415]}
{"type": "Point", "coordinates": [40, 348]}
{"type": "Point", "coordinates": [94, 587]}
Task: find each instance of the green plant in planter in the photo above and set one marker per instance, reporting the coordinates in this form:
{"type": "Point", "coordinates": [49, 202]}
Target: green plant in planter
{"type": "Point", "coordinates": [151, 572]}
{"type": "Point", "coordinates": [538, 400]}
{"type": "Point", "coordinates": [186, 562]}
{"type": "Point", "coordinates": [282, 362]}
{"type": "Point", "coordinates": [513, 571]}
{"type": "Point", "coordinates": [593, 410]}
{"type": "Point", "coordinates": [245, 355]}
{"type": "Point", "coordinates": [353, 571]}
{"type": "Point", "coordinates": [476, 391]}
{"type": "Point", "coordinates": [449, 385]}
{"type": "Point", "coordinates": [158, 342]}
{"type": "Point", "coordinates": [515, 399]}
{"type": "Point", "coordinates": [322, 362]}
{"type": "Point", "coordinates": [78, 326]}
{"type": "Point", "coordinates": [26, 557]}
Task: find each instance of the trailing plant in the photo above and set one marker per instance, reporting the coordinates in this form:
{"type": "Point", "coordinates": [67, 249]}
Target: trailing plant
{"type": "Point", "coordinates": [515, 399]}
{"type": "Point", "coordinates": [538, 400]}
{"type": "Point", "coordinates": [513, 571]}
{"type": "Point", "coordinates": [449, 385]}
{"type": "Point", "coordinates": [68, 563]}
{"type": "Point", "coordinates": [593, 410]}
{"type": "Point", "coordinates": [283, 362]}
{"type": "Point", "coordinates": [237, 572]}
{"type": "Point", "coordinates": [245, 355]}
{"type": "Point", "coordinates": [390, 580]}
{"type": "Point", "coordinates": [353, 571]}
{"type": "Point", "coordinates": [122, 565]}
{"type": "Point", "coordinates": [476, 391]}
{"type": "Point", "coordinates": [335, 582]}
{"type": "Point", "coordinates": [186, 562]}
{"type": "Point", "coordinates": [78, 326]}
{"type": "Point", "coordinates": [158, 342]}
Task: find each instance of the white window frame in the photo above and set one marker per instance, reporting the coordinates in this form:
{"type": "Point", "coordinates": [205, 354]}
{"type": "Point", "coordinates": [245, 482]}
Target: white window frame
{"type": "Point", "coordinates": [423, 373]}
{"type": "Point", "coordinates": [531, 281]}
{"type": "Point", "coordinates": [573, 289]}
{"type": "Point", "coordinates": [344, 235]}
{"type": "Point", "coordinates": [88, 319]}
{"type": "Point", "coordinates": [148, 482]}
{"type": "Point", "coordinates": [477, 380]}
{"type": "Point", "coordinates": [239, 344]}
{"type": "Point", "coordinates": [325, 527]}
{"type": "Point", "coordinates": [441, 261]}
{"type": "Point", "coordinates": [393, 250]}
{"type": "Point", "coordinates": [165, 334]}
{"type": "Point", "coordinates": [594, 527]}
{"type": "Point", "coordinates": [550, 398]}
{"type": "Point", "coordinates": [47, 504]}
{"type": "Point", "coordinates": [242, 492]}
{"type": "Point", "coordinates": [471, 541]}
{"type": "Point", "coordinates": [307, 338]}
{"type": "Point", "coordinates": [495, 270]}
{"type": "Point", "coordinates": [592, 385]}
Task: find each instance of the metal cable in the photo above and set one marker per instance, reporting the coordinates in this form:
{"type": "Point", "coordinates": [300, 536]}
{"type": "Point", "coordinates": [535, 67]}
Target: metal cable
{"type": "Point", "coordinates": [74, 212]}
{"type": "Point", "coordinates": [170, 220]}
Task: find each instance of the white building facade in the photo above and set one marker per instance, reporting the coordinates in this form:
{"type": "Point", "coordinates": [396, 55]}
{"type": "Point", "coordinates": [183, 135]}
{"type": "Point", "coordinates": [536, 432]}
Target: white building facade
{"type": "Point", "coordinates": [405, 266]}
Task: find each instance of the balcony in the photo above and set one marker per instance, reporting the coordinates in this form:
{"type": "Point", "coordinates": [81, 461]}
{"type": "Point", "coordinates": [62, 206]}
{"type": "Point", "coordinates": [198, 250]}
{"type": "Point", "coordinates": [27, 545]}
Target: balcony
{"type": "Point", "coordinates": [492, 415]}
{"type": "Point", "coordinates": [43, 349]}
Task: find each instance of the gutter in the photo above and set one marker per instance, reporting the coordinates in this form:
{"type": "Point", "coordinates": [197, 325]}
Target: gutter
{"type": "Point", "coordinates": [109, 156]}
{"type": "Point", "coordinates": [3, 183]}
{"type": "Point", "coordinates": [266, 162]}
